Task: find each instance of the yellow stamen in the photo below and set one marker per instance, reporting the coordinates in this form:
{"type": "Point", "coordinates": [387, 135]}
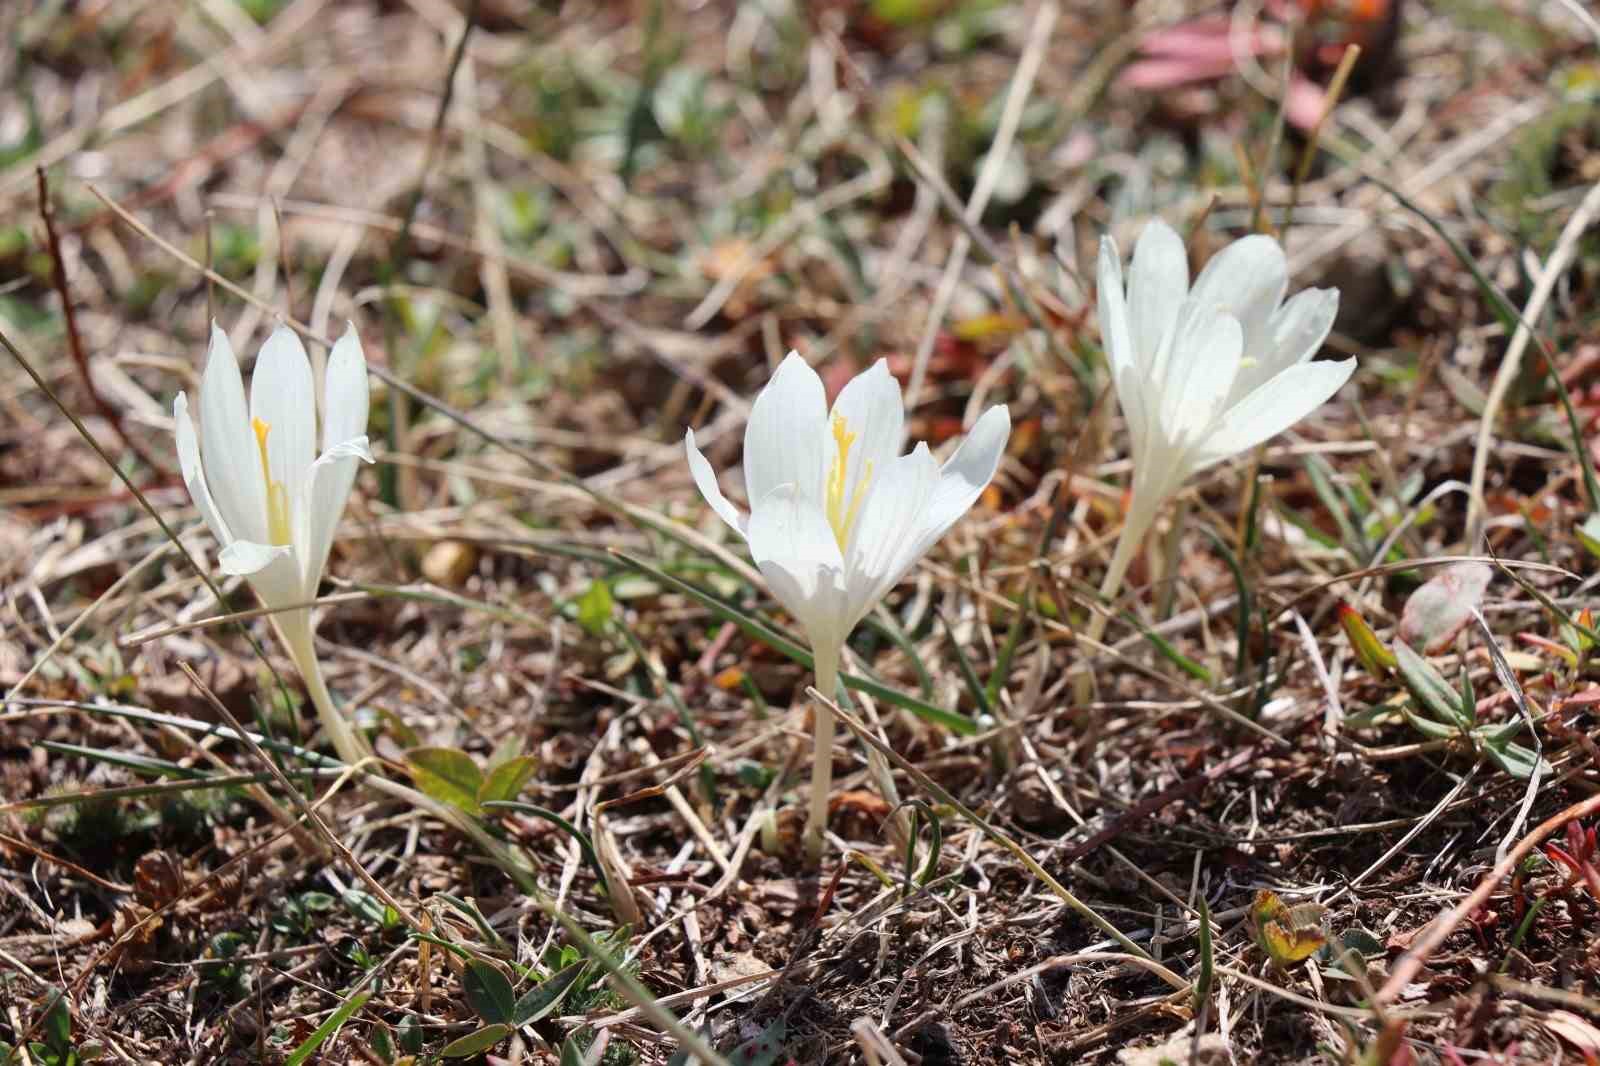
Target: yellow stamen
{"type": "Point", "coordinates": [841, 511]}
{"type": "Point", "coordinates": [262, 429]}
{"type": "Point", "coordinates": [277, 497]}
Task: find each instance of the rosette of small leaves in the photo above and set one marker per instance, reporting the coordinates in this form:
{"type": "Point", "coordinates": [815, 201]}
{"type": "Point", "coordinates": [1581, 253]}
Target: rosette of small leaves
{"type": "Point", "coordinates": [1441, 711]}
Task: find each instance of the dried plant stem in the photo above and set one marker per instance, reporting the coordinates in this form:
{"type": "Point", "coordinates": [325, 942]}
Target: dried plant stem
{"type": "Point", "coordinates": [826, 660]}
{"type": "Point", "coordinates": [1556, 265]}
{"type": "Point", "coordinates": [80, 358]}
{"type": "Point", "coordinates": [1405, 971]}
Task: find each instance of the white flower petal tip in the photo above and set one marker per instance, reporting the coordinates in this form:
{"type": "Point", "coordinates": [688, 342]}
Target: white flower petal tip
{"type": "Point", "coordinates": [1206, 371]}
{"type": "Point", "coordinates": [838, 514]}
{"type": "Point", "coordinates": [244, 558]}
{"type": "Point", "coordinates": [252, 467]}
{"type": "Point", "coordinates": [354, 448]}
{"type": "Point", "coordinates": [705, 479]}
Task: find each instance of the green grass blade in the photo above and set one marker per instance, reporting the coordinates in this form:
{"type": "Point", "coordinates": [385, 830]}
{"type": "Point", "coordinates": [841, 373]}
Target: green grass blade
{"type": "Point", "coordinates": [584, 843]}
{"type": "Point", "coordinates": [327, 1029]}
{"type": "Point", "coordinates": [753, 627]}
{"type": "Point", "coordinates": [969, 676]}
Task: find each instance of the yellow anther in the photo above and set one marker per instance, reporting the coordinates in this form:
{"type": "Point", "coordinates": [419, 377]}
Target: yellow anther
{"type": "Point", "coordinates": [262, 429]}
{"type": "Point", "coordinates": [841, 511]}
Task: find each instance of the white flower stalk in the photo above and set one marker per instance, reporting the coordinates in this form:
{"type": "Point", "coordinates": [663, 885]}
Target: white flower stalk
{"type": "Point", "coordinates": [270, 499]}
{"type": "Point", "coordinates": [839, 515]}
{"type": "Point", "coordinates": [1205, 372]}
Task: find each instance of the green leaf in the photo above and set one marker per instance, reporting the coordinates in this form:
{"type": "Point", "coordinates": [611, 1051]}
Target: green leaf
{"type": "Point", "coordinates": [58, 1023]}
{"type": "Point", "coordinates": [1430, 690]}
{"type": "Point", "coordinates": [595, 607]}
{"type": "Point", "coordinates": [1202, 984]}
{"type": "Point", "coordinates": [1001, 671]}
{"type": "Point", "coordinates": [964, 665]}
{"type": "Point", "coordinates": [573, 831]}
{"type": "Point", "coordinates": [327, 1029]}
{"type": "Point", "coordinates": [1361, 942]}
{"type": "Point", "coordinates": [448, 775]}
{"type": "Point", "coordinates": [1516, 760]}
{"type": "Point", "coordinates": [475, 916]}
{"type": "Point", "coordinates": [1241, 625]}
{"type": "Point", "coordinates": [369, 907]}
{"type": "Point", "coordinates": [476, 1042]}
{"type": "Point", "coordinates": [506, 779]}
{"type": "Point", "coordinates": [1337, 504]}
{"type": "Point", "coordinates": [488, 992]}
{"type": "Point", "coordinates": [571, 1053]}
{"type": "Point", "coordinates": [1168, 651]}
{"type": "Point", "coordinates": [382, 1046]}
{"type": "Point", "coordinates": [1428, 727]}
{"type": "Point", "coordinates": [1589, 534]}
{"type": "Point", "coordinates": [540, 1001]}
{"type": "Point", "coordinates": [410, 1034]}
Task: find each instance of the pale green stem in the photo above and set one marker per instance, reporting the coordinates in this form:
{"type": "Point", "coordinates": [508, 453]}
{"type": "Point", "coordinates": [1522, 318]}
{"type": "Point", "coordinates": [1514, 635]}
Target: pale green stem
{"type": "Point", "coordinates": [826, 664]}
{"type": "Point", "coordinates": [1140, 518]}
{"type": "Point", "coordinates": [294, 628]}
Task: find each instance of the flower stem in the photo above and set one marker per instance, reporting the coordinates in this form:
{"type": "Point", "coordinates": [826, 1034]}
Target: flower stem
{"type": "Point", "coordinates": [1137, 525]}
{"type": "Point", "coordinates": [826, 660]}
{"type": "Point", "coordinates": [295, 629]}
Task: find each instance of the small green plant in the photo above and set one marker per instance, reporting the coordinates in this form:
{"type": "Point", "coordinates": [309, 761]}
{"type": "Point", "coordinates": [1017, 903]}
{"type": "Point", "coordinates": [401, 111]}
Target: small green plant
{"type": "Point", "coordinates": [1440, 711]}
{"type": "Point", "coordinates": [451, 776]}
{"type": "Point", "coordinates": [56, 1047]}
{"type": "Point", "coordinates": [299, 916]}
{"type": "Point", "coordinates": [491, 995]}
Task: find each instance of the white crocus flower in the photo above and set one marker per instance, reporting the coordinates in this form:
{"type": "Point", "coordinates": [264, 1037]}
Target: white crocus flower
{"type": "Point", "coordinates": [255, 475]}
{"type": "Point", "coordinates": [839, 515]}
{"type": "Point", "coordinates": [1205, 372]}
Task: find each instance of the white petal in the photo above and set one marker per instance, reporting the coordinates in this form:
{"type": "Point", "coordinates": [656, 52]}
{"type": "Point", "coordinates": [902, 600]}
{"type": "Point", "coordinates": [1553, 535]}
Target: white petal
{"type": "Point", "coordinates": [793, 545]}
{"type": "Point", "coordinates": [246, 558]}
{"type": "Point", "coordinates": [272, 570]}
{"type": "Point", "coordinates": [228, 445]}
{"type": "Point", "coordinates": [1273, 408]}
{"type": "Point", "coordinates": [1158, 282]}
{"type": "Point", "coordinates": [346, 394]}
{"type": "Point", "coordinates": [886, 542]}
{"type": "Point", "coordinates": [1140, 404]}
{"type": "Point", "coordinates": [966, 474]}
{"type": "Point", "coordinates": [1294, 334]}
{"type": "Point", "coordinates": [194, 474]}
{"type": "Point", "coordinates": [1247, 279]}
{"type": "Point", "coordinates": [329, 488]}
{"type": "Point", "coordinates": [282, 395]}
{"type": "Point", "coordinates": [355, 448]}
{"type": "Point", "coordinates": [872, 409]}
{"type": "Point", "coordinates": [786, 441]}
{"type": "Point", "coordinates": [705, 479]}
{"type": "Point", "coordinates": [1116, 336]}
{"type": "Point", "coordinates": [1201, 375]}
